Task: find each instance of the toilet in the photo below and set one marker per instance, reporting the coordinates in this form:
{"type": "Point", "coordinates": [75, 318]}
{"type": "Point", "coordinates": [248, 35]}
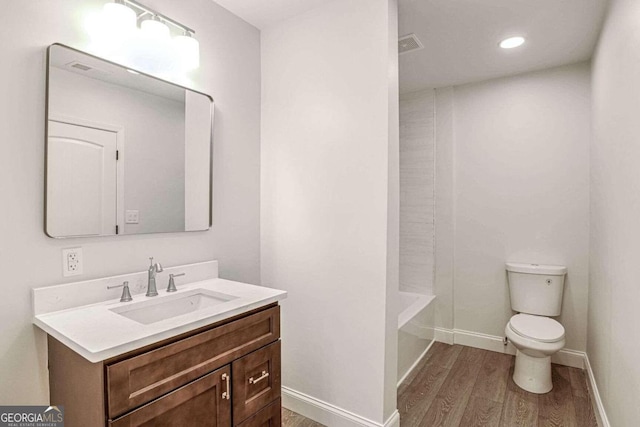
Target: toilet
{"type": "Point", "coordinates": [536, 294]}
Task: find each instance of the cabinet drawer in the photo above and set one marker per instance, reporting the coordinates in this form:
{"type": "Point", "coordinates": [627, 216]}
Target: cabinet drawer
{"type": "Point", "coordinates": [256, 381]}
{"type": "Point", "coordinates": [141, 379]}
{"type": "Point", "coordinates": [199, 403]}
{"type": "Point", "coordinates": [267, 417]}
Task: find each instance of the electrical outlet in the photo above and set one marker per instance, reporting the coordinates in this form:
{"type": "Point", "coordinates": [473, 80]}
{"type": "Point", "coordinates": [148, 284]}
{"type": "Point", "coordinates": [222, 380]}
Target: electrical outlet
{"type": "Point", "coordinates": [131, 216]}
{"type": "Point", "coordinates": [72, 262]}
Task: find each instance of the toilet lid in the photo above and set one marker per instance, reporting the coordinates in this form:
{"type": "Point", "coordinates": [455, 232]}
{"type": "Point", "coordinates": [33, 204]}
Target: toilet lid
{"type": "Point", "coordinates": [539, 328]}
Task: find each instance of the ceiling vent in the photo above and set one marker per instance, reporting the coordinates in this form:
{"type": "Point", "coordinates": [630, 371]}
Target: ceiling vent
{"type": "Point", "coordinates": [408, 44]}
{"type": "Point", "coordinates": [79, 66]}
{"type": "Point", "coordinates": [88, 70]}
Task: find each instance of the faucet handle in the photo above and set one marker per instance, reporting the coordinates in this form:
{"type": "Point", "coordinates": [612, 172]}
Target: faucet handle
{"type": "Point", "coordinates": [126, 295]}
{"type": "Point", "coordinates": [172, 283]}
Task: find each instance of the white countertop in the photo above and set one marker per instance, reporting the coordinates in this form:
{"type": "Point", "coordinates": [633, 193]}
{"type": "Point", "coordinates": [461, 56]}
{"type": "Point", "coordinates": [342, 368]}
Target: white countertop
{"type": "Point", "coordinates": [97, 333]}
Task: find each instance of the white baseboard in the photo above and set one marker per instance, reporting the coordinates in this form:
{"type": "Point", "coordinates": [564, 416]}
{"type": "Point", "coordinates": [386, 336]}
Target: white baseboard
{"type": "Point", "coordinates": [424, 353]}
{"type": "Point", "coordinates": [394, 420]}
{"type": "Point", "coordinates": [328, 414]}
{"type": "Point", "coordinates": [598, 406]}
{"type": "Point", "coordinates": [443, 335]}
{"type": "Point", "coordinates": [565, 357]}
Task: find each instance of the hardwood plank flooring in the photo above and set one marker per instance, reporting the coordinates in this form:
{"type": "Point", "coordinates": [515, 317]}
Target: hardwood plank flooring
{"type": "Point", "coordinates": [451, 400]}
{"type": "Point", "coordinates": [467, 387]}
{"type": "Point", "coordinates": [556, 407]}
{"type": "Point", "coordinates": [478, 390]}
{"type": "Point", "coordinates": [520, 408]}
{"type": "Point", "coordinates": [293, 419]}
{"type": "Point", "coordinates": [482, 413]}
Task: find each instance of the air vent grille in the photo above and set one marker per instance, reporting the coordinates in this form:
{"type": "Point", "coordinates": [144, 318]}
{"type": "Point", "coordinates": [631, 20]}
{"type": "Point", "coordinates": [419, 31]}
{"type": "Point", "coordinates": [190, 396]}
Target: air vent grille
{"type": "Point", "coordinates": [408, 44]}
{"type": "Point", "coordinates": [79, 66]}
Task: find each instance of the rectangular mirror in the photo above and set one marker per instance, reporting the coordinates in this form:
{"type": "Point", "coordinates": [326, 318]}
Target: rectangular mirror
{"type": "Point", "coordinates": [126, 153]}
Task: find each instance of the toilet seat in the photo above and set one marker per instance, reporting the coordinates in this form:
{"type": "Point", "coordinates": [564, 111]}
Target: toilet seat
{"type": "Point", "coordinates": [539, 328]}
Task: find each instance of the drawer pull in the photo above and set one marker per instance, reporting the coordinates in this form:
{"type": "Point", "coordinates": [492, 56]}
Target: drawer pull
{"type": "Point", "coordinates": [264, 375]}
{"type": "Point", "coordinates": [226, 394]}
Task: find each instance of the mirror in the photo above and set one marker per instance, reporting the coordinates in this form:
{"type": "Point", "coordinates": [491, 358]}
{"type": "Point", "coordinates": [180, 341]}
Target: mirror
{"type": "Point", "coordinates": [126, 153]}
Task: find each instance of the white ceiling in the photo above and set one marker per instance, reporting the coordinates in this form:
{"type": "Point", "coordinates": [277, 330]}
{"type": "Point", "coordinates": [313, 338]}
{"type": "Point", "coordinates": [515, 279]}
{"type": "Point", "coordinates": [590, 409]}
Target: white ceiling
{"type": "Point", "coordinates": [461, 38]}
{"type": "Point", "coordinates": [262, 13]}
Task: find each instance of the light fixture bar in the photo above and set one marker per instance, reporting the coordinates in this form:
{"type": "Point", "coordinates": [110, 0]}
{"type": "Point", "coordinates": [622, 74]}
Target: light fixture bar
{"type": "Point", "coordinates": [147, 10]}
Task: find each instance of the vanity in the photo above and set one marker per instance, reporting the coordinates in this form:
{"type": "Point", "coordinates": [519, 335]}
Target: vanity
{"type": "Point", "coordinates": [205, 355]}
{"type": "Point", "coordinates": [149, 348]}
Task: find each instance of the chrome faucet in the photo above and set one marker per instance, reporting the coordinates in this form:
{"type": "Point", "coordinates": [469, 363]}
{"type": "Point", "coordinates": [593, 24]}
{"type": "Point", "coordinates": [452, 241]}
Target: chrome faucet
{"type": "Point", "coordinates": [152, 291]}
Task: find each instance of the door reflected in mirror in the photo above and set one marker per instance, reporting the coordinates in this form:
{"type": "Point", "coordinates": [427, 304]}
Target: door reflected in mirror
{"type": "Point", "coordinates": [126, 153]}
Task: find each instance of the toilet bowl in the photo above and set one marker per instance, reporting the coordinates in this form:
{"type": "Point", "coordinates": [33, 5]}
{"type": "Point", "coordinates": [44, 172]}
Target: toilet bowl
{"type": "Point", "coordinates": [536, 339]}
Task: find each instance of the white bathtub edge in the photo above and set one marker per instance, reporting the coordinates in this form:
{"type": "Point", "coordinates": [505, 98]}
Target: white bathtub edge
{"type": "Point", "coordinates": [410, 312]}
{"type": "Point", "coordinates": [416, 363]}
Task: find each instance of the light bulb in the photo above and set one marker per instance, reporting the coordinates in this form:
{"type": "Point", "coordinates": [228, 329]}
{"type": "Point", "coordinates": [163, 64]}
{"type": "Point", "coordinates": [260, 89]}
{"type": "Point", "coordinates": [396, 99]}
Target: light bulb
{"type": "Point", "coordinates": [153, 51]}
{"type": "Point", "coordinates": [188, 51]}
{"type": "Point", "coordinates": [119, 17]}
{"type": "Point", "coordinates": [155, 29]}
{"type": "Point", "coordinates": [512, 42]}
{"type": "Point", "coordinates": [112, 28]}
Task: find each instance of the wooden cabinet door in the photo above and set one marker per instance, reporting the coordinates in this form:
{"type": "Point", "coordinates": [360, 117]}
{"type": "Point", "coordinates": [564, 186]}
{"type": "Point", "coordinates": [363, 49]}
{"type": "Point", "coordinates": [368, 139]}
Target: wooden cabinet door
{"type": "Point", "coordinates": [203, 403]}
{"type": "Point", "coordinates": [256, 381]}
{"type": "Point", "coordinates": [271, 416]}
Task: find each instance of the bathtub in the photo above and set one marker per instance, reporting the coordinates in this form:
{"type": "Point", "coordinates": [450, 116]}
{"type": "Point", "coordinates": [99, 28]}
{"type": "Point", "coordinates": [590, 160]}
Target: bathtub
{"type": "Point", "coordinates": [415, 330]}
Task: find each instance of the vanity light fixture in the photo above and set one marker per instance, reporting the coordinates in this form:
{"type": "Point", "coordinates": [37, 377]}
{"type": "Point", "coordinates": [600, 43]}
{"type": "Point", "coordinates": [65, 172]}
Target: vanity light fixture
{"type": "Point", "coordinates": [117, 36]}
{"type": "Point", "coordinates": [154, 28]}
{"type": "Point", "coordinates": [512, 42]}
{"type": "Point", "coordinates": [189, 50]}
{"type": "Point", "coordinates": [118, 17]}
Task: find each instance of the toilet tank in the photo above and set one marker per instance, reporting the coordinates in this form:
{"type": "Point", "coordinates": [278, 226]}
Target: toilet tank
{"type": "Point", "coordinates": [536, 289]}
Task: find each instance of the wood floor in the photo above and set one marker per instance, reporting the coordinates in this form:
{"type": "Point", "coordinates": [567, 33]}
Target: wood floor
{"type": "Point", "coordinates": [468, 387]}
{"type": "Point", "coordinates": [292, 419]}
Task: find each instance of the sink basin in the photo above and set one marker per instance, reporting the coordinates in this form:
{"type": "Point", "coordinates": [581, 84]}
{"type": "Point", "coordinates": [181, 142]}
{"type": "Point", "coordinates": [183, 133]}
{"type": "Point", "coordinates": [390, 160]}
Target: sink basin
{"type": "Point", "coordinates": [167, 307]}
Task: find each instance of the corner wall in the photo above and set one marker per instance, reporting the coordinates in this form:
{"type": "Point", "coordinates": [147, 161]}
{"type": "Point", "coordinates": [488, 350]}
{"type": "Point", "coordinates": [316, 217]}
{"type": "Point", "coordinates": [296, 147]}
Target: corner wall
{"type": "Point", "coordinates": [329, 173]}
{"type": "Point", "coordinates": [230, 72]}
{"type": "Point", "coordinates": [614, 294]}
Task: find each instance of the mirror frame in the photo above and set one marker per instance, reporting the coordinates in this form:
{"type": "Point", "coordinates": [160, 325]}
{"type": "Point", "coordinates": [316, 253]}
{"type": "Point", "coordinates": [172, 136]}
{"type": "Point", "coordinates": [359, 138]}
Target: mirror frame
{"type": "Point", "coordinates": [46, 144]}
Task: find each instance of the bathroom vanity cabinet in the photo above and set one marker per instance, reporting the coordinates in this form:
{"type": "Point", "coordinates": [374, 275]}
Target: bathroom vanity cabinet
{"type": "Point", "coordinates": [224, 374]}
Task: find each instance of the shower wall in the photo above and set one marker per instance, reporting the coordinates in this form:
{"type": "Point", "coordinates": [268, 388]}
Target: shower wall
{"type": "Point", "coordinates": [417, 178]}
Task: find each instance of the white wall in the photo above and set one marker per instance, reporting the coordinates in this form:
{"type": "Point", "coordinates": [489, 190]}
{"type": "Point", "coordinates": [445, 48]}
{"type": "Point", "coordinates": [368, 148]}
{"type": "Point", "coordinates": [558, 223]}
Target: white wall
{"type": "Point", "coordinates": [328, 176]}
{"type": "Point", "coordinates": [230, 72]}
{"type": "Point", "coordinates": [153, 155]}
{"type": "Point", "coordinates": [444, 208]}
{"type": "Point", "coordinates": [521, 192]}
{"type": "Point", "coordinates": [614, 293]}
{"type": "Point", "coordinates": [417, 175]}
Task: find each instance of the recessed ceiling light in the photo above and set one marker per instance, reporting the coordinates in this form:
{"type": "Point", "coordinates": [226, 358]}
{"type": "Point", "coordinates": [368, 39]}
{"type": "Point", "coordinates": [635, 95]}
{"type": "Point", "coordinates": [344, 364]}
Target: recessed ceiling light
{"type": "Point", "coordinates": [512, 42]}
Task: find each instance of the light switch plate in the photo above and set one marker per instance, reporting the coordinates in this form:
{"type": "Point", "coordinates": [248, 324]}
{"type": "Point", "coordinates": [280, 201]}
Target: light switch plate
{"type": "Point", "coordinates": [71, 262]}
{"type": "Point", "coordinates": [131, 216]}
